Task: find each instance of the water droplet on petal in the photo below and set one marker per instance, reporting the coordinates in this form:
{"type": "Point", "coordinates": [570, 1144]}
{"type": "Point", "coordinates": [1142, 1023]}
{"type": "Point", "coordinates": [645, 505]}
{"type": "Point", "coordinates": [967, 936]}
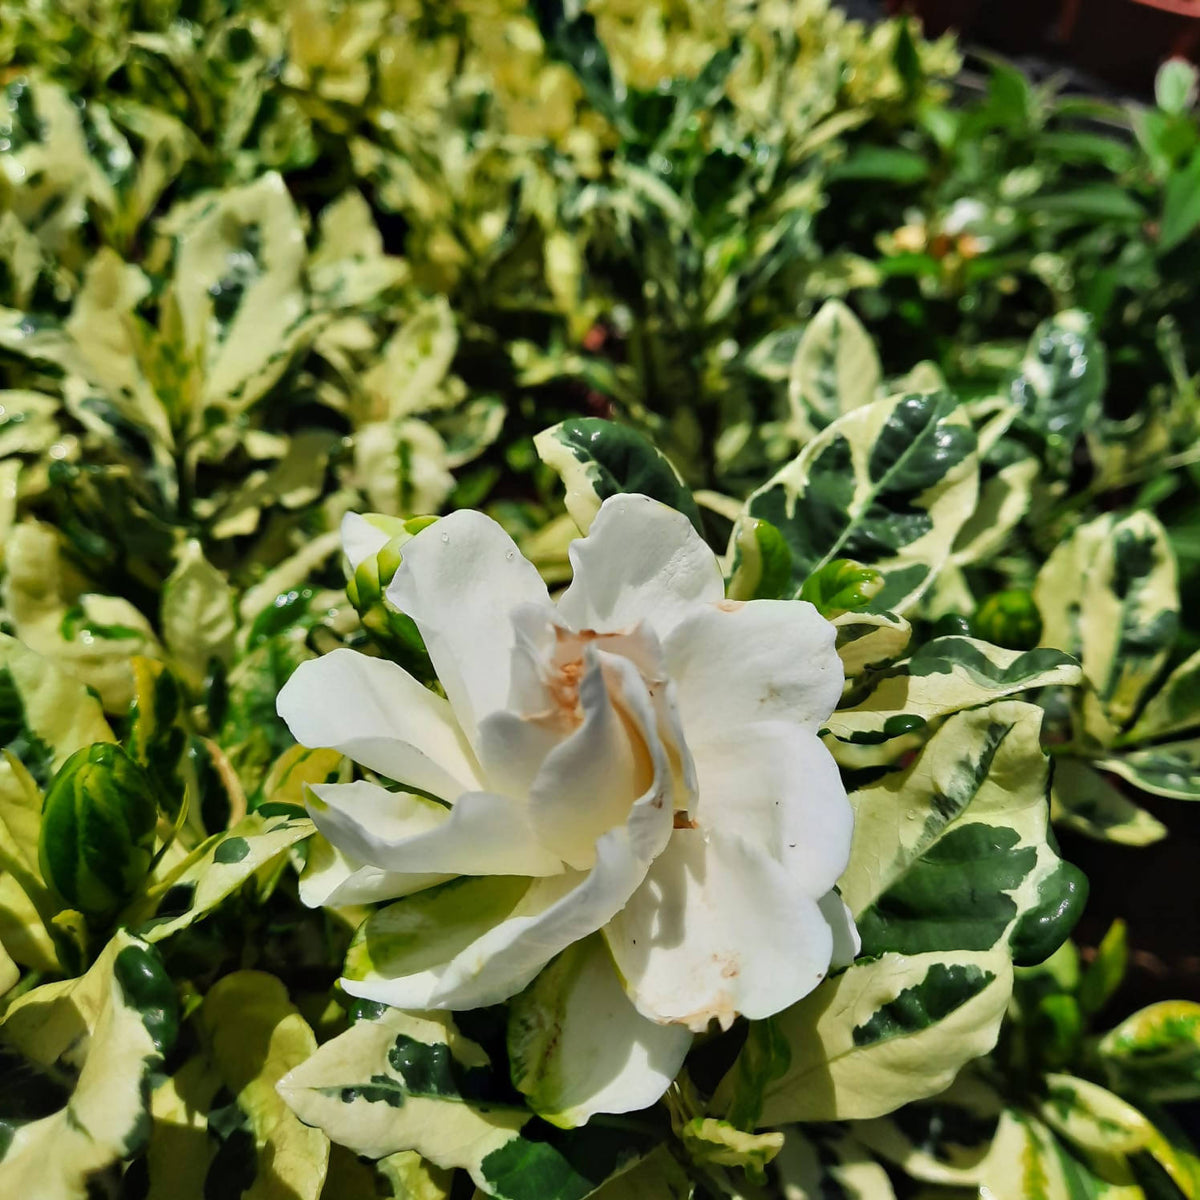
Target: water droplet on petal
{"type": "Point", "coordinates": [445, 537]}
{"type": "Point", "coordinates": [510, 556]}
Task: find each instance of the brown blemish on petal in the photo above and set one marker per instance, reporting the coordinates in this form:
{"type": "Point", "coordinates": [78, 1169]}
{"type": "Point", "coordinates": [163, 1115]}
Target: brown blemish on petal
{"type": "Point", "coordinates": [730, 605]}
{"type": "Point", "coordinates": [682, 820]}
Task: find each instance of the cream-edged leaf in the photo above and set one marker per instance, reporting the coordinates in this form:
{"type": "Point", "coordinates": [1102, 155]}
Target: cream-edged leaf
{"type": "Point", "coordinates": [1109, 594]}
{"type": "Point", "coordinates": [408, 1082]}
{"type": "Point", "coordinates": [945, 1139]}
{"type": "Point", "coordinates": [1085, 800]}
{"type": "Point", "coordinates": [250, 1035]}
{"type": "Point", "coordinates": [215, 869]}
{"type": "Point", "coordinates": [658, 1176]}
{"type": "Point", "coordinates": [1102, 1125]}
{"type": "Point", "coordinates": [953, 852]}
{"type": "Point", "coordinates": [98, 1039]}
{"type": "Point", "coordinates": [1174, 706]}
{"type": "Point", "coordinates": [597, 459]}
{"type": "Point", "coordinates": [254, 1037]}
{"type": "Point", "coordinates": [1167, 769]}
{"type": "Point", "coordinates": [1155, 1053]}
{"type": "Point", "coordinates": [887, 485]}
{"type": "Point", "coordinates": [198, 618]}
{"type": "Point", "coordinates": [238, 262]}
{"type": "Point", "coordinates": [946, 675]}
{"type": "Point", "coordinates": [888, 1031]}
{"type": "Point", "coordinates": [818, 1162]}
{"type": "Point", "coordinates": [866, 640]}
{"type": "Point", "coordinates": [1004, 500]}
{"type": "Point", "coordinates": [836, 369]}
{"type": "Point", "coordinates": [89, 636]}
{"type": "Point", "coordinates": [50, 713]}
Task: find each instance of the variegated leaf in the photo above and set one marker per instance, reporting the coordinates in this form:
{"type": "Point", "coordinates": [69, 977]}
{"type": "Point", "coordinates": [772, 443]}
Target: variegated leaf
{"type": "Point", "coordinates": [945, 1139]}
{"type": "Point", "coordinates": [887, 485]}
{"type": "Point", "coordinates": [198, 619]}
{"type": "Point", "coordinates": [1082, 799]}
{"type": "Point", "coordinates": [596, 459]}
{"type": "Point", "coordinates": [866, 640]}
{"type": "Point", "coordinates": [97, 1040]}
{"type": "Point", "coordinates": [829, 1164]}
{"type": "Point", "coordinates": [764, 563]}
{"type": "Point", "coordinates": [223, 1101]}
{"type": "Point", "coordinates": [944, 676]}
{"type": "Point", "coordinates": [48, 714]}
{"type": "Point", "coordinates": [952, 853]}
{"type": "Point", "coordinates": [835, 370]}
{"type": "Point", "coordinates": [1028, 1162]}
{"type": "Point", "coordinates": [1109, 595]}
{"type": "Point", "coordinates": [1004, 501]}
{"type": "Point", "coordinates": [1062, 380]}
{"type": "Point", "coordinates": [951, 877]}
{"type": "Point", "coordinates": [238, 270]}
{"type": "Point", "coordinates": [1102, 1126]}
{"type": "Point", "coordinates": [406, 1082]}
{"type": "Point", "coordinates": [412, 364]}
{"type": "Point", "coordinates": [217, 868]}
{"type": "Point", "coordinates": [887, 1031]}
{"type": "Point", "coordinates": [1168, 769]}
{"type": "Point", "coordinates": [1174, 706]}
{"type": "Point", "coordinates": [1155, 1053]}
{"type": "Point", "coordinates": [89, 636]}
{"type": "Point", "coordinates": [656, 1177]}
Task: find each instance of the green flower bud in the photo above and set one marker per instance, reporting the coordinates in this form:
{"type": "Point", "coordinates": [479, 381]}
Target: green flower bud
{"type": "Point", "coordinates": [366, 589]}
{"type": "Point", "coordinates": [841, 586]}
{"type": "Point", "coordinates": [1009, 618]}
{"type": "Point", "coordinates": [764, 562]}
{"type": "Point", "coordinates": [96, 842]}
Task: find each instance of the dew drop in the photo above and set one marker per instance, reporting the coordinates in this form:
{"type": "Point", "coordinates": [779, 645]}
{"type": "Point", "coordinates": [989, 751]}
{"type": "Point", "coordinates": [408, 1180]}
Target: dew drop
{"type": "Point", "coordinates": [445, 537]}
{"type": "Point", "coordinates": [510, 556]}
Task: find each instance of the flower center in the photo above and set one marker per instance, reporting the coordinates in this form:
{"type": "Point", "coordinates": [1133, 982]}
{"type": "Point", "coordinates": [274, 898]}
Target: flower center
{"type": "Point", "coordinates": [565, 672]}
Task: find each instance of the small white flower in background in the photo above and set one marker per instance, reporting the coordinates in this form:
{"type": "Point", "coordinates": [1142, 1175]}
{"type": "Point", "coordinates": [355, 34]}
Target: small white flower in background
{"type": "Point", "coordinates": [640, 759]}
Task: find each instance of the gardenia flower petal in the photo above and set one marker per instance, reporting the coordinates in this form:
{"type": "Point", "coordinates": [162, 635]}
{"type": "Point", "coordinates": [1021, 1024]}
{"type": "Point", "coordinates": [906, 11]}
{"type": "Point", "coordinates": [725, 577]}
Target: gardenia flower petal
{"type": "Point", "coordinates": [459, 580]}
{"type": "Point", "coordinates": [737, 663]}
{"type": "Point", "coordinates": [588, 781]}
{"type": "Point", "coordinates": [578, 1046]}
{"type": "Point", "coordinates": [376, 713]}
{"type": "Point", "coordinates": [333, 879]}
{"type": "Point", "coordinates": [482, 834]}
{"type": "Point", "coordinates": [719, 928]}
{"type": "Point", "coordinates": [361, 539]}
{"type": "Point", "coordinates": [478, 941]}
{"type": "Point", "coordinates": [641, 561]}
{"type": "Point", "coordinates": [846, 942]}
{"type": "Point", "coordinates": [777, 786]}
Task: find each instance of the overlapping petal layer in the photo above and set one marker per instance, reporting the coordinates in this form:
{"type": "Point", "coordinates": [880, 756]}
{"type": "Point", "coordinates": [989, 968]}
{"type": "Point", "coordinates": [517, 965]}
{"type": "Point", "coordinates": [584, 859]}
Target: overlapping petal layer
{"type": "Point", "coordinates": [641, 561]}
{"type": "Point", "coordinates": [482, 834]}
{"type": "Point", "coordinates": [719, 928]}
{"type": "Point", "coordinates": [459, 580]}
{"type": "Point", "coordinates": [377, 714]}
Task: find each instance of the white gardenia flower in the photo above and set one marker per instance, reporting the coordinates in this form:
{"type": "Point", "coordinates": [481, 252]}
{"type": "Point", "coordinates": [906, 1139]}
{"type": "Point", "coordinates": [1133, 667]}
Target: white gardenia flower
{"type": "Point", "coordinates": [640, 759]}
